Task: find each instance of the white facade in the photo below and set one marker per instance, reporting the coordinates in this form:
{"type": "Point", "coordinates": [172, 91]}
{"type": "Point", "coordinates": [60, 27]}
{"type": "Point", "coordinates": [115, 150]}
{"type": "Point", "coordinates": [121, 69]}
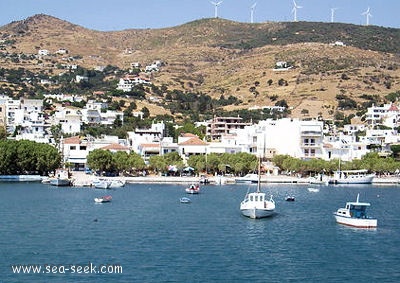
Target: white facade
{"type": "Point", "coordinates": [146, 136]}
{"type": "Point", "coordinates": [69, 119]}
{"type": "Point", "coordinates": [128, 82]}
{"type": "Point", "coordinates": [299, 139]}
{"type": "Point", "coordinates": [388, 115]}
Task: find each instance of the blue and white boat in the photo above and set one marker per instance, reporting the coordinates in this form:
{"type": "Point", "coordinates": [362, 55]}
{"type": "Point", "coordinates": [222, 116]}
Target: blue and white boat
{"type": "Point", "coordinates": [355, 215]}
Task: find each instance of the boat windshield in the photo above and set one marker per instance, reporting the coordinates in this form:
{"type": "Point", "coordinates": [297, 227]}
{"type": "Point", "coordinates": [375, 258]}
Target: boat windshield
{"type": "Point", "coordinates": [358, 211]}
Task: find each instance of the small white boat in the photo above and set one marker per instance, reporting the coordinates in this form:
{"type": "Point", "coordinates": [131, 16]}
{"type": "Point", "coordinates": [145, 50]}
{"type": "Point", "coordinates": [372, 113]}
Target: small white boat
{"type": "Point", "coordinates": [193, 189]}
{"type": "Point", "coordinates": [313, 190]}
{"type": "Point", "coordinates": [116, 184]}
{"type": "Point", "coordinates": [290, 198]}
{"type": "Point", "coordinates": [61, 178]}
{"type": "Point", "coordinates": [355, 215]}
{"type": "Point", "coordinates": [249, 178]}
{"type": "Point", "coordinates": [256, 205]}
{"type": "Point", "coordinates": [103, 199]}
{"type": "Point", "coordinates": [101, 184]}
{"type": "Point", "coordinates": [185, 200]}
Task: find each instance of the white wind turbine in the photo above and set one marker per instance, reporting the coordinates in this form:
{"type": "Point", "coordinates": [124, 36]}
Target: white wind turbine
{"type": "Point", "coordinates": [367, 14]}
{"type": "Point", "coordinates": [216, 4]}
{"type": "Point", "coordinates": [333, 14]}
{"type": "Point", "coordinates": [252, 8]}
{"type": "Point", "coordinates": [294, 10]}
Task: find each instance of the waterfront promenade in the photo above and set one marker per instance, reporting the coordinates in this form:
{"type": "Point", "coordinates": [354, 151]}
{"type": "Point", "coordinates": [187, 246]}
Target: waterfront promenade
{"type": "Point", "coordinates": [82, 179]}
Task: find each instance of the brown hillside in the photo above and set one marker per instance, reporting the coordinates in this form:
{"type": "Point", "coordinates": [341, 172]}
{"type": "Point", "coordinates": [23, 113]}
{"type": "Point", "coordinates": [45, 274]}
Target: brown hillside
{"type": "Point", "coordinates": [196, 60]}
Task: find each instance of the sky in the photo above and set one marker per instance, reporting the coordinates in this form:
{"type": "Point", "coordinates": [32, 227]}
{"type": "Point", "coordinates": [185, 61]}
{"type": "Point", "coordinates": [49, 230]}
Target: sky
{"type": "Point", "coordinates": [111, 15]}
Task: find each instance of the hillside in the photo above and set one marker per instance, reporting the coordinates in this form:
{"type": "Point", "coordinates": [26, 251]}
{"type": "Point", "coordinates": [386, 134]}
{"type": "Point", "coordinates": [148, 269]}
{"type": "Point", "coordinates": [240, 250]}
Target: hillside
{"type": "Point", "coordinates": [220, 57]}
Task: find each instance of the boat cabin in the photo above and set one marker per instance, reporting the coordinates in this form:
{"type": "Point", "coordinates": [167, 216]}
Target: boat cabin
{"type": "Point", "coordinates": [256, 197]}
{"type": "Point", "coordinates": [357, 210]}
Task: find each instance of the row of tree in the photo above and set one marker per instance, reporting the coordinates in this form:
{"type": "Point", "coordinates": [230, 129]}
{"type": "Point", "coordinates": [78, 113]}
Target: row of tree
{"type": "Point", "coordinates": [236, 164]}
{"type": "Point", "coordinates": [27, 157]}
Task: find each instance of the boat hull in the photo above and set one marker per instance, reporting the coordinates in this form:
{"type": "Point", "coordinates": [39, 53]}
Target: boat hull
{"type": "Point", "coordinates": [248, 179]}
{"type": "Point", "coordinates": [60, 182]}
{"type": "Point", "coordinates": [356, 222]}
{"type": "Point", "coordinates": [101, 184]}
{"type": "Point", "coordinates": [352, 179]}
{"type": "Point", "coordinates": [256, 213]}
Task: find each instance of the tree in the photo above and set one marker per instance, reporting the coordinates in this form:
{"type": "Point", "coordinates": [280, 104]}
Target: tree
{"type": "Point", "coordinates": [101, 160]}
{"type": "Point", "coordinates": [3, 133]}
{"type": "Point", "coordinates": [146, 112]}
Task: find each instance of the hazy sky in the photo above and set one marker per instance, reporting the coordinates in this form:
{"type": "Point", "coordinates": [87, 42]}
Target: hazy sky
{"type": "Point", "coordinates": [107, 15]}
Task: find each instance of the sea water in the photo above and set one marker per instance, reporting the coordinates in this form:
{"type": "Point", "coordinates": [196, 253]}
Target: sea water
{"type": "Point", "coordinates": [146, 235]}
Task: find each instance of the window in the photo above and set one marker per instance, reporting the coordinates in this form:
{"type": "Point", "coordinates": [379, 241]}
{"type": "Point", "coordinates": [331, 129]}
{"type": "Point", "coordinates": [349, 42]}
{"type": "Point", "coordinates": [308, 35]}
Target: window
{"type": "Point", "coordinates": [73, 147]}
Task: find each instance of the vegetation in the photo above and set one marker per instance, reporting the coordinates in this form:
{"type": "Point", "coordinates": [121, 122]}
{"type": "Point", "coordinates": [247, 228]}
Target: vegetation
{"type": "Point", "coordinates": [106, 161]}
{"type": "Point", "coordinates": [371, 161]}
{"type": "Point", "coordinates": [27, 157]}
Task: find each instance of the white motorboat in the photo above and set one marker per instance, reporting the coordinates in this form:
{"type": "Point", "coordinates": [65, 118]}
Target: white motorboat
{"type": "Point", "coordinates": [352, 177]}
{"type": "Point", "coordinates": [355, 215]}
{"type": "Point", "coordinates": [101, 184]}
{"type": "Point", "coordinates": [249, 178]}
{"type": "Point", "coordinates": [256, 205]}
{"type": "Point", "coordinates": [61, 178]}
{"type": "Point", "coordinates": [103, 199]}
{"type": "Point", "coordinates": [313, 190]}
{"type": "Point", "coordinates": [185, 200]}
{"type": "Point", "coordinates": [116, 184]}
{"type": "Point", "coordinates": [193, 189]}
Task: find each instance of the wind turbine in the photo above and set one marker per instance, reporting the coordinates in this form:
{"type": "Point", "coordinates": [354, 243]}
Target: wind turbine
{"type": "Point", "coordinates": [294, 10]}
{"type": "Point", "coordinates": [367, 14]}
{"type": "Point", "coordinates": [333, 14]}
{"type": "Point", "coordinates": [216, 4]}
{"type": "Point", "coordinates": [252, 8]}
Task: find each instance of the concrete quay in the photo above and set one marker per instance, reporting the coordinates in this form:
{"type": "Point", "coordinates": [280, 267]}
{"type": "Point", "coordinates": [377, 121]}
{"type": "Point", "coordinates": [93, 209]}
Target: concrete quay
{"type": "Point", "coordinates": [82, 180]}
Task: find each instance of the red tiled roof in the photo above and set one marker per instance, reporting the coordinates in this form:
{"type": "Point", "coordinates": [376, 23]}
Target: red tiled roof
{"type": "Point", "coordinates": [150, 145]}
{"type": "Point", "coordinates": [115, 146]}
{"type": "Point", "coordinates": [188, 135]}
{"type": "Point", "coordinates": [72, 140]}
{"type": "Point", "coordinates": [393, 108]}
{"type": "Point", "coordinates": [193, 141]}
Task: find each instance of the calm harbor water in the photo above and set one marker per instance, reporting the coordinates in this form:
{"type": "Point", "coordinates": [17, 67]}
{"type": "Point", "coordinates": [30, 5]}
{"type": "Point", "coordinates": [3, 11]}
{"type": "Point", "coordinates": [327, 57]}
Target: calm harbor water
{"type": "Point", "coordinates": [157, 239]}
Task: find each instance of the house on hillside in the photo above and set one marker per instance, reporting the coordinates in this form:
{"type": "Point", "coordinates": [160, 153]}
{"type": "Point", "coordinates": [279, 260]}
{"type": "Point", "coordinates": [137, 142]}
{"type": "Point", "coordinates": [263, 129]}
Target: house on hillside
{"type": "Point", "coordinates": [128, 82]}
{"type": "Point", "coordinates": [190, 144]}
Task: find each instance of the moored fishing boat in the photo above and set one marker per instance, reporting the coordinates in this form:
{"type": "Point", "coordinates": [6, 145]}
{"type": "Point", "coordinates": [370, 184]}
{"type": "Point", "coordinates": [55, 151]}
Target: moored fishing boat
{"type": "Point", "coordinates": [354, 214]}
{"type": "Point", "coordinates": [256, 205]}
{"type": "Point", "coordinates": [352, 177]}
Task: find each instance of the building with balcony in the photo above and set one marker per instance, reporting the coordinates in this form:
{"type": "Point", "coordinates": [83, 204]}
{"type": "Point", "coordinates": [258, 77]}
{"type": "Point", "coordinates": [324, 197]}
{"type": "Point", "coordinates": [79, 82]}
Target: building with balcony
{"type": "Point", "coordinates": [219, 126]}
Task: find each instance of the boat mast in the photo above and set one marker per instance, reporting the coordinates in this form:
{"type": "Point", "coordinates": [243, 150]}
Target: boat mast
{"type": "Point", "coordinates": [259, 176]}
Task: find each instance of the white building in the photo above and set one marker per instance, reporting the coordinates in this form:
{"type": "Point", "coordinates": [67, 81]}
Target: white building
{"type": "Point", "coordinates": [69, 118]}
{"type": "Point", "coordinates": [388, 115]}
{"type": "Point", "coordinates": [128, 82]}
{"type": "Point", "coordinates": [147, 140]}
